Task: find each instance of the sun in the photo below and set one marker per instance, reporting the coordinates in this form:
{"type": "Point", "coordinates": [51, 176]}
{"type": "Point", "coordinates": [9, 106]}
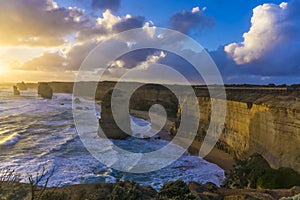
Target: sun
{"type": "Point", "coordinates": [2, 70]}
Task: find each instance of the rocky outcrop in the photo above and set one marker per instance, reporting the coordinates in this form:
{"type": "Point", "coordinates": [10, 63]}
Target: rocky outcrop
{"type": "Point", "coordinates": [22, 86]}
{"type": "Point", "coordinates": [16, 91]}
{"type": "Point", "coordinates": [45, 91]}
{"type": "Point", "coordinates": [107, 121]}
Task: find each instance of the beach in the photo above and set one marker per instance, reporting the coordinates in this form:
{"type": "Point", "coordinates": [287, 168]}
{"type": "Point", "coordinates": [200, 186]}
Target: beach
{"type": "Point", "coordinates": [216, 156]}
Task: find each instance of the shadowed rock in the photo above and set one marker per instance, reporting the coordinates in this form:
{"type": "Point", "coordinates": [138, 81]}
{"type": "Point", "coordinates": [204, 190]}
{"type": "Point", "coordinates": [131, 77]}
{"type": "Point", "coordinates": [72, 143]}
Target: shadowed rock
{"type": "Point", "coordinates": [45, 91]}
{"type": "Point", "coordinates": [107, 121]}
{"type": "Point", "coordinates": [22, 86]}
{"type": "Point", "coordinates": [16, 91]}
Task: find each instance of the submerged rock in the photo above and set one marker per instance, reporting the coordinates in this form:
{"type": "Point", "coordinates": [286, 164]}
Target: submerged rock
{"type": "Point", "coordinates": [77, 100]}
{"type": "Point", "coordinates": [45, 91]}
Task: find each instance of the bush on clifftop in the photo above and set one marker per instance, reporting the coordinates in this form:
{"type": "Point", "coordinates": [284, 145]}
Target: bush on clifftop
{"type": "Point", "coordinates": [255, 172]}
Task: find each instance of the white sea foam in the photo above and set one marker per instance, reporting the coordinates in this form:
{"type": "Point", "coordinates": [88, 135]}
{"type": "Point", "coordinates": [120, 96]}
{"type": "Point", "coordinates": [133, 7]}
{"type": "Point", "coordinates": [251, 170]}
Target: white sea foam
{"type": "Point", "coordinates": [9, 140]}
{"type": "Point", "coordinates": [36, 132]}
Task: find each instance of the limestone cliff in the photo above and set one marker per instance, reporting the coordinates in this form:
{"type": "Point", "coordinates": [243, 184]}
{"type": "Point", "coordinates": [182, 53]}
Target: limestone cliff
{"type": "Point", "coordinates": [258, 119]}
{"type": "Point", "coordinates": [259, 122]}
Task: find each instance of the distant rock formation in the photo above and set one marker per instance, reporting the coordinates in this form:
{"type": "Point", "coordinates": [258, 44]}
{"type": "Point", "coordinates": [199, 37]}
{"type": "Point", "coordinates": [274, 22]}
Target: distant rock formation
{"type": "Point", "coordinates": [16, 91]}
{"type": "Point", "coordinates": [77, 100]}
{"type": "Point", "coordinates": [45, 91]}
{"type": "Point", "coordinates": [107, 122]}
{"type": "Point", "coordinates": [22, 86]}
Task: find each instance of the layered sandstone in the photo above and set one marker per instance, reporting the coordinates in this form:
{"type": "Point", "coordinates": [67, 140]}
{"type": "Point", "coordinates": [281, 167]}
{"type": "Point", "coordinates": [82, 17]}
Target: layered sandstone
{"type": "Point", "coordinates": [258, 122]}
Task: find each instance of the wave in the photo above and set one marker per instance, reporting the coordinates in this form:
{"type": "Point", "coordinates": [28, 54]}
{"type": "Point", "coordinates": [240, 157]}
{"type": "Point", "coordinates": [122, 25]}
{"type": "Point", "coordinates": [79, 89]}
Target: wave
{"type": "Point", "coordinates": [10, 140]}
{"type": "Point", "coordinates": [42, 133]}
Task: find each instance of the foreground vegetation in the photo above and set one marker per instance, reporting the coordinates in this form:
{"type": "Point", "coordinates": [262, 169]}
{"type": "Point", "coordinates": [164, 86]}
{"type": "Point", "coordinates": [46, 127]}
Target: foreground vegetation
{"type": "Point", "coordinates": [177, 190]}
{"type": "Point", "coordinates": [251, 179]}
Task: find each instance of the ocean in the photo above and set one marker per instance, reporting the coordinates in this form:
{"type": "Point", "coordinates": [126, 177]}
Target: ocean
{"type": "Point", "coordinates": [37, 133]}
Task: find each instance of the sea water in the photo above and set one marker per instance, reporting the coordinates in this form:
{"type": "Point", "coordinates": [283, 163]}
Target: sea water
{"type": "Point", "coordinates": [37, 133]}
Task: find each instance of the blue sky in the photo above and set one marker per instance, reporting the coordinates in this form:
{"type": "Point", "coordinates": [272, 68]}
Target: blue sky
{"type": "Point", "coordinates": [251, 41]}
{"type": "Point", "coordinates": [232, 18]}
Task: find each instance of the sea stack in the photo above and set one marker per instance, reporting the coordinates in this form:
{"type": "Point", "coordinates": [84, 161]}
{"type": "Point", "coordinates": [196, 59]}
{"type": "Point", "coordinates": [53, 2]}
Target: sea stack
{"type": "Point", "coordinates": [22, 86]}
{"type": "Point", "coordinates": [16, 91]}
{"type": "Point", "coordinates": [107, 122]}
{"type": "Point", "coordinates": [45, 91]}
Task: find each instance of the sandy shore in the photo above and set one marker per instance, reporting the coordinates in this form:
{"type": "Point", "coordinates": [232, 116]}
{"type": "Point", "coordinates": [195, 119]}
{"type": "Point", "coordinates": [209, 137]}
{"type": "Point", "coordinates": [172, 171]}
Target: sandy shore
{"type": "Point", "coordinates": [216, 156]}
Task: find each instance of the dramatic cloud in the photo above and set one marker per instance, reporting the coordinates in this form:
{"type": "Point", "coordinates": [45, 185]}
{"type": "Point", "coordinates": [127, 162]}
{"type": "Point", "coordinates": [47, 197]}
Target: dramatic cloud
{"type": "Point", "coordinates": [129, 23]}
{"type": "Point", "coordinates": [186, 20]}
{"type": "Point", "coordinates": [46, 62]}
{"type": "Point", "coordinates": [77, 53]}
{"type": "Point", "coordinates": [272, 45]}
{"type": "Point", "coordinates": [72, 55]}
{"type": "Point", "coordinates": [109, 24]}
{"type": "Point", "coordinates": [59, 61]}
{"type": "Point", "coordinates": [113, 5]}
{"type": "Point", "coordinates": [37, 22]}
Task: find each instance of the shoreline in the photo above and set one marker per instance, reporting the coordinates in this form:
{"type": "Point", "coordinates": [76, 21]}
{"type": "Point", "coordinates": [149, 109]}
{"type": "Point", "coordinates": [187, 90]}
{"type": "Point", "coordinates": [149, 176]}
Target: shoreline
{"type": "Point", "coordinates": [216, 156]}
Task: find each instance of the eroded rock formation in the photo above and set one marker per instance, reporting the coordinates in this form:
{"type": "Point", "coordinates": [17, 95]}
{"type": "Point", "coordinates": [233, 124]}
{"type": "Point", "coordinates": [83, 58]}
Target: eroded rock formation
{"type": "Point", "coordinates": [22, 86]}
{"type": "Point", "coordinates": [16, 91]}
{"type": "Point", "coordinates": [45, 91]}
{"type": "Point", "coordinates": [258, 120]}
{"type": "Point", "coordinates": [107, 122]}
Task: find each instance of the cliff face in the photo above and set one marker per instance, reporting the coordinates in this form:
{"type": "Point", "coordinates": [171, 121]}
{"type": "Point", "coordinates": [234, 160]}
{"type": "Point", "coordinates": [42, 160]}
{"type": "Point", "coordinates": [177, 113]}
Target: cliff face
{"type": "Point", "coordinates": [268, 125]}
{"type": "Point", "coordinates": [258, 120]}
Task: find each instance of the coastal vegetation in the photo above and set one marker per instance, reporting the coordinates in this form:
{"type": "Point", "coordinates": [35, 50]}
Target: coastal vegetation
{"type": "Point", "coordinates": [255, 172]}
{"type": "Point", "coordinates": [36, 189]}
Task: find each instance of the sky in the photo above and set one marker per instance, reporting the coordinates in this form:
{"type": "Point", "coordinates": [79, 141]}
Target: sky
{"type": "Point", "coordinates": [252, 41]}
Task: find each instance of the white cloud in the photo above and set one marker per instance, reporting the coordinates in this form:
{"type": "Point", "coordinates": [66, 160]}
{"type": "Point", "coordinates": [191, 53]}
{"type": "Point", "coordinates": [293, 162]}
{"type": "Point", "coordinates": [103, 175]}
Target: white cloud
{"type": "Point", "coordinates": [195, 9]}
{"type": "Point", "coordinates": [108, 20]}
{"type": "Point", "coordinates": [151, 59]}
{"type": "Point", "coordinates": [273, 39]}
{"type": "Point", "coordinates": [109, 24]}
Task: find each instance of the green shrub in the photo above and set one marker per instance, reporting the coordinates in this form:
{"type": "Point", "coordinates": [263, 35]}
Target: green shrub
{"type": "Point", "coordinates": [256, 172]}
{"type": "Point", "coordinates": [126, 191]}
{"type": "Point", "coordinates": [281, 178]}
{"type": "Point", "coordinates": [176, 190]}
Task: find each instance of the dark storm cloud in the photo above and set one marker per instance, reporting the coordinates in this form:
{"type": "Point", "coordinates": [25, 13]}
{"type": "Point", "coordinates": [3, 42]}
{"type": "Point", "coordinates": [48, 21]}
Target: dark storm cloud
{"type": "Point", "coordinates": [129, 23]}
{"type": "Point", "coordinates": [186, 20]}
{"type": "Point", "coordinates": [113, 5]}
